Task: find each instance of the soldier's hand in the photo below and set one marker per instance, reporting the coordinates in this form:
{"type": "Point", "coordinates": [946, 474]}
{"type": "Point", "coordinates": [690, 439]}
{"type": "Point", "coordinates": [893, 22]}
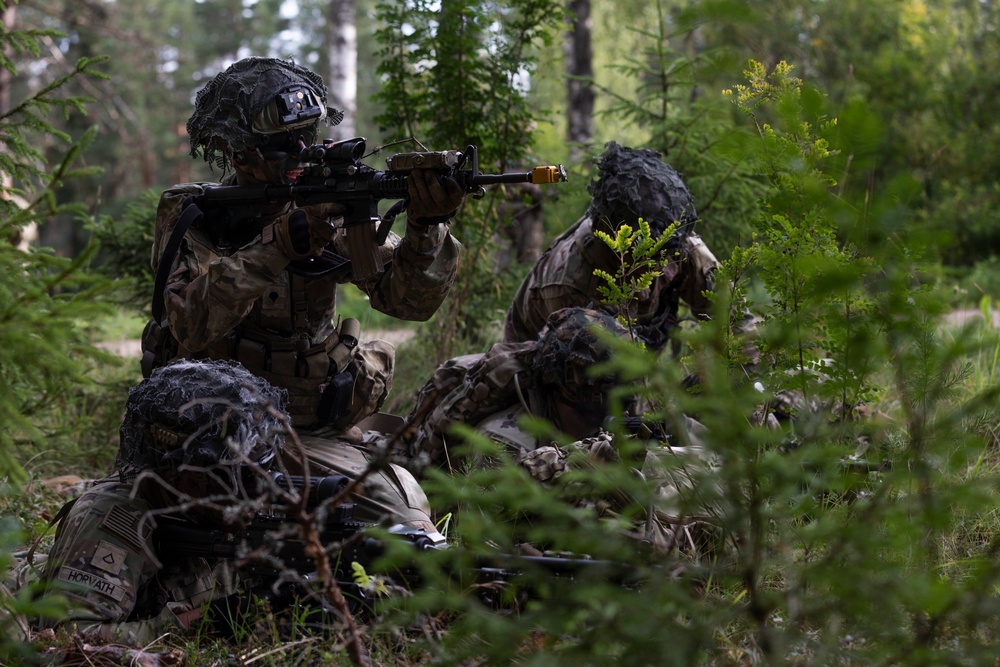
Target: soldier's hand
{"type": "Point", "coordinates": [433, 198]}
{"type": "Point", "coordinates": [305, 231]}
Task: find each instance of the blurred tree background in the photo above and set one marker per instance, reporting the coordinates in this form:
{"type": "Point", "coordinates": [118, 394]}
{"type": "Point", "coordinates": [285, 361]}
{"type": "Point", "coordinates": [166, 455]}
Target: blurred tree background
{"type": "Point", "coordinates": [651, 72]}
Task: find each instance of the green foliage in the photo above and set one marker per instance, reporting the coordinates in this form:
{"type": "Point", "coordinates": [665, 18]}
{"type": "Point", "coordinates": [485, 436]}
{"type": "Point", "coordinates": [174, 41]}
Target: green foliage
{"type": "Point", "coordinates": [687, 120]}
{"type": "Point", "coordinates": [453, 75]}
{"type": "Point", "coordinates": [818, 304]}
{"type": "Point", "coordinates": [854, 544]}
{"type": "Point", "coordinates": [43, 297]}
{"type": "Point", "coordinates": [125, 241]}
{"type": "Point", "coordinates": [640, 259]}
{"type": "Point", "coordinates": [846, 542]}
{"type": "Point", "coordinates": [23, 605]}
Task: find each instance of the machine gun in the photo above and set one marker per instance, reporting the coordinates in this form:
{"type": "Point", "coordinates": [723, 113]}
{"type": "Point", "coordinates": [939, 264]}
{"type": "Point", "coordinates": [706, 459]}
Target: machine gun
{"type": "Point", "coordinates": [334, 172]}
{"type": "Point", "coordinates": [269, 553]}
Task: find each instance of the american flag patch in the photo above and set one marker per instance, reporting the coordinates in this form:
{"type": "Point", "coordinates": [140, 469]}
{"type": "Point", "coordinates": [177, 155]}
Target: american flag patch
{"type": "Point", "coordinates": [128, 526]}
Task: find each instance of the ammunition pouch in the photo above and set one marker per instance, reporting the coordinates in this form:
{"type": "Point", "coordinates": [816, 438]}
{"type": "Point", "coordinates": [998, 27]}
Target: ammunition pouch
{"type": "Point", "coordinates": [315, 376]}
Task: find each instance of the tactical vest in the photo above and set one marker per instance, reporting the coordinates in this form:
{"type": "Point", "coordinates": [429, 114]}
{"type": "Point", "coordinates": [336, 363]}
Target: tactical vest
{"type": "Point", "coordinates": [315, 374]}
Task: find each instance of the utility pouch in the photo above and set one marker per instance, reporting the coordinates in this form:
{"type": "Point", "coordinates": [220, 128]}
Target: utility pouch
{"type": "Point", "coordinates": [340, 346]}
{"type": "Point", "coordinates": [336, 398]}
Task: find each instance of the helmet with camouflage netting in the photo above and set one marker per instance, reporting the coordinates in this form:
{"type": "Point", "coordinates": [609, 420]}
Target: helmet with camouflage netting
{"type": "Point", "coordinates": [635, 183]}
{"type": "Point", "coordinates": [254, 102]}
{"type": "Point", "coordinates": [568, 349]}
{"type": "Point", "coordinates": [200, 415]}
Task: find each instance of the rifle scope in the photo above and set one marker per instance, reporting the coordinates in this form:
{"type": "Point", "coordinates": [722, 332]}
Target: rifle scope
{"type": "Point", "coordinates": [319, 490]}
{"type": "Point", "coordinates": [349, 150]}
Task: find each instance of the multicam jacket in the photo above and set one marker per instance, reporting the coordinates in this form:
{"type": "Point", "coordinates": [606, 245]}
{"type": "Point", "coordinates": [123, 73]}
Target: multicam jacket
{"type": "Point", "coordinates": [466, 389]}
{"type": "Point", "coordinates": [104, 561]}
{"type": "Point", "coordinates": [564, 277]}
{"type": "Point", "coordinates": [231, 296]}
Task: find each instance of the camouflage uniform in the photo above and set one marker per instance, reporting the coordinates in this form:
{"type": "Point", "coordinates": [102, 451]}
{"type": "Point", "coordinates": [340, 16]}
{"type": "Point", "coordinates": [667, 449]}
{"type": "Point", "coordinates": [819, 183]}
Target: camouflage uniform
{"type": "Point", "coordinates": [236, 299]}
{"type": "Point", "coordinates": [470, 390]}
{"type": "Point", "coordinates": [190, 427]}
{"type": "Point", "coordinates": [493, 391]}
{"type": "Point", "coordinates": [632, 184]}
{"type": "Point", "coordinates": [103, 560]}
{"type": "Point", "coordinates": [677, 517]}
{"type": "Point", "coordinates": [564, 277]}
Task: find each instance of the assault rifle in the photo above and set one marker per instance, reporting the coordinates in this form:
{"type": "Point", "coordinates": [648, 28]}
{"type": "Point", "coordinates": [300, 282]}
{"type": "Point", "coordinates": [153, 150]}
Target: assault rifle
{"type": "Point", "coordinates": [268, 551]}
{"type": "Point", "coordinates": [334, 172]}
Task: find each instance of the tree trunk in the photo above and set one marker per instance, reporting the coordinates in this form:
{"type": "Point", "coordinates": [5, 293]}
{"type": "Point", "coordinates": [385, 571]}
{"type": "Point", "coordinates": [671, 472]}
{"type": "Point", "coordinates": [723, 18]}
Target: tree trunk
{"type": "Point", "coordinates": [7, 18]}
{"type": "Point", "coordinates": [20, 237]}
{"type": "Point", "coordinates": [342, 54]}
{"type": "Point", "coordinates": [579, 76]}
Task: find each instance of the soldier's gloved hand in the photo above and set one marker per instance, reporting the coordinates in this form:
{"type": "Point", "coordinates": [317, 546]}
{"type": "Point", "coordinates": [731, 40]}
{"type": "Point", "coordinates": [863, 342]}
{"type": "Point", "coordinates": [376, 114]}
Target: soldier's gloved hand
{"type": "Point", "coordinates": [305, 231]}
{"type": "Point", "coordinates": [433, 198]}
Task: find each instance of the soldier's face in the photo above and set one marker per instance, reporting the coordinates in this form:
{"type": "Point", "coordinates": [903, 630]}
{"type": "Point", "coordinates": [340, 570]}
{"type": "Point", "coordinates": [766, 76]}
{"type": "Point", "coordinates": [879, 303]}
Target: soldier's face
{"type": "Point", "coordinates": [268, 169]}
{"type": "Point", "coordinates": [275, 161]}
{"type": "Point", "coordinates": [579, 417]}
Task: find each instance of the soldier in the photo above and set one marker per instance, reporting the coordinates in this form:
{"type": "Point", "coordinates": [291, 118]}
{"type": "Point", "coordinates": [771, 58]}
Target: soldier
{"type": "Point", "coordinates": [632, 184]}
{"type": "Point", "coordinates": [552, 377]}
{"type": "Point", "coordinates": [259, 286]}
{"type": "Point", "coordinates": [194, 436]}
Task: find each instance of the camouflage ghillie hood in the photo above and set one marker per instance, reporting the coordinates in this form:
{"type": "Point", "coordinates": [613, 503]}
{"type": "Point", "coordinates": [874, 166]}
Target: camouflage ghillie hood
{"type": "Point", "coordinates": [224, 110]}
{"type": "Point", "coordinates": [568, 348]}
{"type": "Point", "coordinates": [200, 413]}
{"type": "Point", "coordinates": [635, 183]}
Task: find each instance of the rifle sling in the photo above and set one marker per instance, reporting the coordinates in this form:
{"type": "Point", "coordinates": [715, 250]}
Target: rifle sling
{"type": "Point", "coordinates": [189, 214]}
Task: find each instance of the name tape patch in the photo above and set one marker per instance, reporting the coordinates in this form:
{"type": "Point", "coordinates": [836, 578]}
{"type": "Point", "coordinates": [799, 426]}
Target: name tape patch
{"type": "Point", "coordinates": [91, 582]}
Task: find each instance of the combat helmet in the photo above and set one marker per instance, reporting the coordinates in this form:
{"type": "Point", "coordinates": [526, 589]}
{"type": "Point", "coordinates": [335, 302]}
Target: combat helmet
{"type": "Point", "coordinates": [568, 349]}
{"type": "Point", "coordinates": [200, 415]}
{"type": "Point", "coordinates": [635, 183]}
{"type": "Point", "coordinates": [256, 104]}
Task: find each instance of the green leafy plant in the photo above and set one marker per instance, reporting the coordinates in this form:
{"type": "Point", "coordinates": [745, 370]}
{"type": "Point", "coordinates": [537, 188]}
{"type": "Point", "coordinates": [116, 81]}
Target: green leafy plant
{"type": "Point", "coordinates": [640, 260]}
{"type": "Point", "coordinates": [43, 297]}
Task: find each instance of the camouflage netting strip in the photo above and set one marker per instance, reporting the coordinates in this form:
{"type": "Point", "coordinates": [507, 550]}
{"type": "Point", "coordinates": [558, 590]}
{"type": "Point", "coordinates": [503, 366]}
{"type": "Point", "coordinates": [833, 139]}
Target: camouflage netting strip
{"type": "Point", "coordinates": [190, 412]}
{"type": "Point", "coordinates": [636, 182]}
{"type": "Point", "coordinates": [226, 106]}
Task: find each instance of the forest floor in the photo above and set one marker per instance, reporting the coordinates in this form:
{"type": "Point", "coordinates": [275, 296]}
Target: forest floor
{"type": "Point", "coordinates": [960, 317]}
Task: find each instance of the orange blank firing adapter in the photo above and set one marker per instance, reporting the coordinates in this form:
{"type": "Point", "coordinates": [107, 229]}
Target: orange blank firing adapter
{"type": "Point", "coordinates": [549, 174]}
